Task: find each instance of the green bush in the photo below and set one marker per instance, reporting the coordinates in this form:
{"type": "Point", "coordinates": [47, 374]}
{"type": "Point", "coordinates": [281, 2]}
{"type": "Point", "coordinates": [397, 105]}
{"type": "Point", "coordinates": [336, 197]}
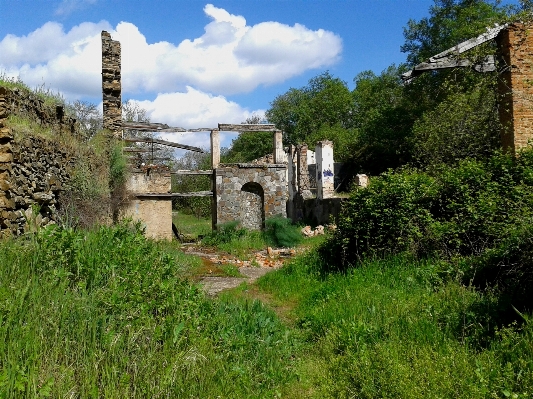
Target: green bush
{"type": "Point", "coordinates": [280, 232]}
{"type": "Point", "coordinates": [447, 211]}
{"type": "Point", "coordinates": [225, 233]}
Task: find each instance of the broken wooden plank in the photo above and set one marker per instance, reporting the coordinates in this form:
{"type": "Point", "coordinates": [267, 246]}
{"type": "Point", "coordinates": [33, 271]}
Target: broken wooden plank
{"type": "Point", "coordinates": [174, 195]}
{"type": "Point", "coordinates": [164, 142]}
{"type": "Point", "coordinates": [144, 126]}
{"type": "Point", "coordinates": [133, 149]}
{"type": "Point", "coordinates": [162, 128]}
{"type": "Point", "coordinates": [192, 172]}
{"type": "Point", "coordinates": [448, 58]}
{"type": "Point", "coordinates": [245, 127]}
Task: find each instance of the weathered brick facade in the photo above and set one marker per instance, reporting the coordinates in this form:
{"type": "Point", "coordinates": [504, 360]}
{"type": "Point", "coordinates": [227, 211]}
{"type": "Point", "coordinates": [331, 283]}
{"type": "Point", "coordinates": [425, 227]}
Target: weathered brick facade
{"type": "Point", "coordinates": [516, 85]}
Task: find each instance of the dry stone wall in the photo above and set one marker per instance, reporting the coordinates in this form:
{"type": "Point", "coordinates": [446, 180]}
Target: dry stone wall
{"type": "Point", "coordinates": [239, 186]}
{"type": "Point", "coordinates": [33, 170]}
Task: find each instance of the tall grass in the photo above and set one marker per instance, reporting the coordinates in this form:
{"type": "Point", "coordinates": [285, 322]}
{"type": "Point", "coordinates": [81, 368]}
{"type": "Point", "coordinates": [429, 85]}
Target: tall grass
{"type": "Point", "coordinates": [397, 328]}
{"type": "Point", "coordinates": [107, 314]}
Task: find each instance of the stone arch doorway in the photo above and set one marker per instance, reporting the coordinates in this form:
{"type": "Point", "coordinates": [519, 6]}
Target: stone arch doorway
{"type": "Point", "coordinates": [252, 206]}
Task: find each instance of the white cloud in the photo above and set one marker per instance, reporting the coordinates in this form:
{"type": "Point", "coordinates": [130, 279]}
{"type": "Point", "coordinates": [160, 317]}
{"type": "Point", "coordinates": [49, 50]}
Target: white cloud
{"type": "Point", "coordinates": [69, 62]}
{"type": "Point", "coordinates": [230, 57]}
{"type": "Point", "coordinates": [195, 109]}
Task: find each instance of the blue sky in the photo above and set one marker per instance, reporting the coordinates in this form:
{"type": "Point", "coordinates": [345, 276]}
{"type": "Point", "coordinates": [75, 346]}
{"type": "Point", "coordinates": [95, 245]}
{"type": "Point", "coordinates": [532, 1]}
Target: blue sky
{"type": "Point", "coordinates": [196, 63]}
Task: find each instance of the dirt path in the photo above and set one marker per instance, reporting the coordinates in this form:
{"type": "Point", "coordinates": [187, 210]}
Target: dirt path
{"type": "Point", "coordinates": [260, 264]}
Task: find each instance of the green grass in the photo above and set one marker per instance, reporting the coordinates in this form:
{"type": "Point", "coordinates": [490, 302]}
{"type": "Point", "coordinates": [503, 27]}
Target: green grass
{"type": "Point", "coordinates": [396, 329]}
{"type": "Point", "coordinates": [107, 313]}
{"type": "Point", "coordinates": [191, 225]}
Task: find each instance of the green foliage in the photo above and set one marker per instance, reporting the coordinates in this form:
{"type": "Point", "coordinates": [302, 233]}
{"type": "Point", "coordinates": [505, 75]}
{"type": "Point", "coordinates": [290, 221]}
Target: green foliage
{"type": "Point", "coordinates": [249, 146]}
{"type": "Point", "coordinates": [450, 22]}
{"type": "Point", "coordinates": [225, 233]}
{"type": "Point", "coordinates": [117, 167]}
{"type": "Point", "coordinates": [325, 102]}
{"type": "Point", "coordinates": [101, 313]}
{"type": "Point", "coordinates": [462, 126]}
{"type": "Point", "coordinates": [197, 206]}
{"type": "Point", "coordinates": [450, 211]}
{"type": "Point", "coordinates": [396, 328]}
{"type": "Point", "coordinates": [383, 116]}
{"type": "Point", "coordinates": [280, 232]}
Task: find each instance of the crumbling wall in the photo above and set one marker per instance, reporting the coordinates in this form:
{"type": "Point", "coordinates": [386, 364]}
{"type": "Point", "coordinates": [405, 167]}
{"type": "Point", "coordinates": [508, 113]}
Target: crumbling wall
{"type": "Point", "coordinates": [111, 84]}
{"type": "Point", "coordinates": [231, 200]}
{"type": "Point", "coordinates": [33, 169]}
{"type": "Point", "coordinates": [149, 201]}
{"type": "Point", "coordinates": [515, 85]}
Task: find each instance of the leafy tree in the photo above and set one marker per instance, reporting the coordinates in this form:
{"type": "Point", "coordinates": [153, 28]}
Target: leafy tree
{"type": "Point", "coordinates": [462, 126]}
{"type": "Point", "coordinates": [133, 112]}
{"type": "Point", "coordinates": [89, 117]}
{"type": "Point", "coordinates": [325, 101]}
{"type": "Point", "coordinates": [383, 117]}
{"type": "Point", "coordinates": [457, 106]}
{"type": "Point", "coordinates": [450, 22]}
{"type": "Point", "coordinates": [249, 145]}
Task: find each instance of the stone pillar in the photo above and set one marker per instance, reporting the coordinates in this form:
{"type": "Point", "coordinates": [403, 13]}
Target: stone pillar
{"type": "Point", "coordinates": [324, 169]}
{"type": "Point", "coordinates": [291, 180]}
{"type": "Point", "coordinates": [279, 155]}
{"type": "Point", "coordinates": [302, 172]}
{"type": "Point", "coordinates": [215, 149]}
{"type": "Point", "coordinates": [515, 46]}
{"type": "Point", "coordinates": [111, 85]}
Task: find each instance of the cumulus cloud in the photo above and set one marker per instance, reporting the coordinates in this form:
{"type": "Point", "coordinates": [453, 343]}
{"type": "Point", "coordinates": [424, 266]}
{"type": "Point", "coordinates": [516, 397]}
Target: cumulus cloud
{"type": "Point", "coordinates": [195, 109]}
{"type": "Point", "coordinates": [66, 61]}
{"type": "Point", "coordinates": [230, 57]}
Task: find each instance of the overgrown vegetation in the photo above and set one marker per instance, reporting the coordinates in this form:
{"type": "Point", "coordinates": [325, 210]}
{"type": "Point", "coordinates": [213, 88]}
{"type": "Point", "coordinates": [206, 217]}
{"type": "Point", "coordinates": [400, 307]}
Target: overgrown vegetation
{"type": "Point", "coordinates": [107, 314]}
{"type": "Point", "coordinates": [94, 162]}
{"type": "Point", "coordinates": [425, 289]}
{"type": "Point", "coordinates": [399, 328]}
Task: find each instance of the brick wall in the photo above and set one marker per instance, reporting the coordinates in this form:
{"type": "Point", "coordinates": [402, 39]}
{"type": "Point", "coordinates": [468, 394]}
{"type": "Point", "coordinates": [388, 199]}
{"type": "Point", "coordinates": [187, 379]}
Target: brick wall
{"type": "Point", "coordinates": [515, 85]}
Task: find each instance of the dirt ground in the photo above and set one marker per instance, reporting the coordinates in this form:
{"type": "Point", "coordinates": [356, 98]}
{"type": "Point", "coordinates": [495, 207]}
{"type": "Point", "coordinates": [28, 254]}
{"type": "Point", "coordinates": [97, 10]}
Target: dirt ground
{"type": "Point", "coordinates": [261, 263]}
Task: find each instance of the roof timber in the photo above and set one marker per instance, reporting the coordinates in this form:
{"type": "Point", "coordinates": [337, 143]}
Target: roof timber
{"type": "Point", "coordinates": [449, 58]}
{"type": "Point", "coordinates": [246, 127]}
{"type": "Point", "coordinates": [166, 143]}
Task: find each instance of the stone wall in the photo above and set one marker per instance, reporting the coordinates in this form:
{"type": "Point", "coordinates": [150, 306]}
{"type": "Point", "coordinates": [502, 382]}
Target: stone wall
{"type": "Point", "coordinates": [515, 85]}
{"type": "Point", "coordinates": [235, 192]}
{"type": "Point", "coordinates": [149, 201]}
{"type": "Point", "coordinates": [111, 84]}
{"type": "Point", "coordinates": [33, 169]}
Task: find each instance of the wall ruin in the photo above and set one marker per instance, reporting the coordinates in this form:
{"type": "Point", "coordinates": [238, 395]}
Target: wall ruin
{"type": "Point", "coordinates": [237, 199]}
{"type": "Point", "coordinates": [149, 201]}
{"type": "Point", "coordinates": [33, 170]}
{"type": "Point", "coordinates": [515, 85]}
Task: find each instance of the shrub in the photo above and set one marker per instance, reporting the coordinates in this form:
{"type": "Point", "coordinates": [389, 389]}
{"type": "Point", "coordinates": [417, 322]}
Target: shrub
{"type": "Point", "coordinates": [280, 232]}
{"type": "Point", "coordinates": [448, 211]}
{"type": "Point", "coordinates": [225, 233]}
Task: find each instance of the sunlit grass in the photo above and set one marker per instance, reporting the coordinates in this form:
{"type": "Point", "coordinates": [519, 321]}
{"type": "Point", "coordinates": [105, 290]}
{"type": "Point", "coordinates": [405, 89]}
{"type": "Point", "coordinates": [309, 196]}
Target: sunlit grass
{"type": "Point", "coordinates": [396, 329]}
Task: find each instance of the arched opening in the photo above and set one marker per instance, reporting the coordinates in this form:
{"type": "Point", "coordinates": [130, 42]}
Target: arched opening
{"type": "Point", "coordinates": [252, 206]}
